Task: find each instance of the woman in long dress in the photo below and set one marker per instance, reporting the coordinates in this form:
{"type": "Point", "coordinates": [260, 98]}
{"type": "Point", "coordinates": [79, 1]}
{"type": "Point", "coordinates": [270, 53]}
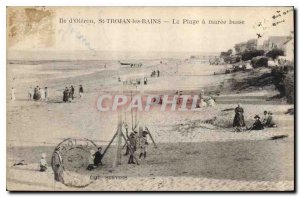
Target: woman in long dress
{"type": "Point", "coordinates": [238, 120]}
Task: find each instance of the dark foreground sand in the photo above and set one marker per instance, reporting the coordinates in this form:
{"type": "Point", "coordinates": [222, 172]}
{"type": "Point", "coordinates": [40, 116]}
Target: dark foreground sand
{"type": "Point", "coordinates": [251, 161]}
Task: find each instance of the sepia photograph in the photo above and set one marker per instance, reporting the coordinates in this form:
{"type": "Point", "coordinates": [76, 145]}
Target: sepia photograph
{"type": "Point", "coordinates": [150, 98]}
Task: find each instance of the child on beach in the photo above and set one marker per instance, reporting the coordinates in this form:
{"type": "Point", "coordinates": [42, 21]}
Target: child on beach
{"type": "Point", "coordinates": [43, 163]}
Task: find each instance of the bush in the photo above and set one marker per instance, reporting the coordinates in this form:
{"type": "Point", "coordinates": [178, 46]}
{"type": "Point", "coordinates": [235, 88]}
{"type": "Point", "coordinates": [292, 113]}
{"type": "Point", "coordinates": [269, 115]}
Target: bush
{"type": "Point", "coordinates": [289, 87]}
{"type": "Point", "coordinates": [249, 55]}
{"type": "Point", "coordinates": [275, 53]}
{"type": "Point", "coordinates": [259, 61]}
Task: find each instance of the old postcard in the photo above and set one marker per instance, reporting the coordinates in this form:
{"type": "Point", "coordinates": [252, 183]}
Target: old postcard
{"type": "Point", "coordinates": [150, 99]}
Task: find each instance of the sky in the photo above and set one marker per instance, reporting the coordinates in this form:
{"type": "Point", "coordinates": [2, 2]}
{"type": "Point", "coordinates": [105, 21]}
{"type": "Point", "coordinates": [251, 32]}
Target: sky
{"type": "Point", "coordinates": [39, 29]}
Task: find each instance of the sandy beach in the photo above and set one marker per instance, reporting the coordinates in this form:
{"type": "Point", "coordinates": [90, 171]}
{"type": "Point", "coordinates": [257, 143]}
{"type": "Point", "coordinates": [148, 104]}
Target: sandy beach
{"type": "Point", "coordinates": [205, 155]}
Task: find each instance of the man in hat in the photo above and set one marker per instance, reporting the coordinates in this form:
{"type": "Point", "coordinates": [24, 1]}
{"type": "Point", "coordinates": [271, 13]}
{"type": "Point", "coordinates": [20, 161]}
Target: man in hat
{"type": "Point", "coordinates": [257, 125]}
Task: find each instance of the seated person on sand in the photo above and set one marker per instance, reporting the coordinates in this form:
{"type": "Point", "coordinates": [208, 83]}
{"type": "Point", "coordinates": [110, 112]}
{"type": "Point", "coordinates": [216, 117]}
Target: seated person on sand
{"type": "Point", "coordinates": [257, 125]}
{"type": "Point", "coordinates": [211, 102]}
{"type": "Point", "coordinates": [43, 163]}
{"type": "Point", "coordinates": [91, 160]}
{"type": "Point", "coordinates": [98, 157]}
{"type": "Point", "coordinates": [265, 117]}
{"type": "Point", "coordinates": [270, 122]}
{"type": "Point", "coordinates": [202, 103]}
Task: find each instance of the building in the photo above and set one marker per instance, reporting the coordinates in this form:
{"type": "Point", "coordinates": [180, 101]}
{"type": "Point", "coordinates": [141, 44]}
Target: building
{"type": "Point", "coordinates": [243, 46]}
{"type": "Point", "coordinates": [288, 48]}
{"type": "Point", "coordinates": [275, 42]}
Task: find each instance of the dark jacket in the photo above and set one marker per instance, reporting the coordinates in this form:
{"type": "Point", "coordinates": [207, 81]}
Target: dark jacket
{"type": "Point", "coordinates": [98, 158]}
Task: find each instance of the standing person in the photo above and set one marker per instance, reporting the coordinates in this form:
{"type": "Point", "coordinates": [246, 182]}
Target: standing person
{"type": "Point", "coordinates": [57, 165]}
{"type": "Point", "coordinates": [132, 138]}
{"type": "Point", "coordinates": [42, 92]}
{"type": "Point", "coordinates": [80, 91]}
{"type": "Point", "coordinates": [66, 95]}
{"type": "Point", "coordinates": [157, 73]}
{"type": "Point", "coordinates": [72, 91]}
{"type": "Point", "coordinates": [38, 94]}
{"type": "Point", "coordinates": [98, 157]}
{"type": "Point", "coordinates": [13, 94]}
{"type": "Point", "coordinates": [43, 163]}
{"type": "Point", "coordinates": [143, 145]}
{"type": "Point", "coordinates": [35, 93]}
{"type": "Point", "coordinates": [238, 120]}
{"type": "Point", "coordinates": [46, 93]}
{"type": "Point", "coordinates": [30, 94]}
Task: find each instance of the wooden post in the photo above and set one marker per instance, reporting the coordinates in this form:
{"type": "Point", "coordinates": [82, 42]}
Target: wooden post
{"type": "Point", "coordinates": [130, 149]}
{"type": "Point", "coordinates": [151, 137]}
{"type": "Point", "coordinates": [111, 141]}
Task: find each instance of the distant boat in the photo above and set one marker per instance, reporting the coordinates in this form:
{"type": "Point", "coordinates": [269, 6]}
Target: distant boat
{"type": "Point", "coordinates": [131, 64]}
{"type": "Point", "coordinates": [124, 63]}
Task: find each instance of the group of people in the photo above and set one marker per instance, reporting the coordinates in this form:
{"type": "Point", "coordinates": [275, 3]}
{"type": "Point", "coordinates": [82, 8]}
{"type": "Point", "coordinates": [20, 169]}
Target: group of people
{"type": "Point", "coordinates": [208, 102]}
{"type": "Point", "coordinates": [38, 94]}
{"type": "Point", "coordinates": [239, 122]}
{"type": "Point", "coordinates": [95, 159]}
{"type": "Point", "coordinates": [68, 93]}
{"type": "Point", "coordinates": [155, 73]}
{"type": "Point", "coordinates": [136, 143]}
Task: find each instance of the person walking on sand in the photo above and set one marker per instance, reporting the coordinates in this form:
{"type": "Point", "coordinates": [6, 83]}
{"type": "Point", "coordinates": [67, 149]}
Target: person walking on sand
{"type": "Point", "coordinates": [66, 95]}
{"type": "Point", "coordinates": [157, 73]}
{"type": "Point", "coordinates": [13, 94]}
{"type": "Point", "coordinates": [72, 91]}
{"type": "Point", "coordinates": [238, 120]}
{"type": "Point", "coordinates": [43, 163]}
{"type": "Point", "coordinates": [46, 93]}
{"type": "Point", "coordinates": [80, 91]}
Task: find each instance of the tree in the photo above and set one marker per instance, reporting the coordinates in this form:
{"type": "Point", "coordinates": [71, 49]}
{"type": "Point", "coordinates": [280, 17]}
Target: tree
{"type": "Point", "coordinates": [274, 53]}
{"type": "Point", "coordinates": [249, 54]}
{"type": "Point", "coordinates": [259, 61]}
